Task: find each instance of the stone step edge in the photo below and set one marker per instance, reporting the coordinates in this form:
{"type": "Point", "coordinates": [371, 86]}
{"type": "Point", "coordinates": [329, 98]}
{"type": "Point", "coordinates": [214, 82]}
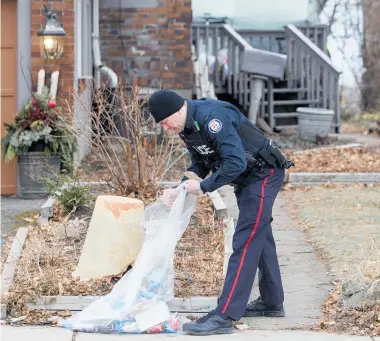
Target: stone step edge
{"type": "Point", "coordinates": [195, 304]}
{"type": "Point", "coordinates": [336, 177]}
{"type": "Point", "coordinates": [9, 269]}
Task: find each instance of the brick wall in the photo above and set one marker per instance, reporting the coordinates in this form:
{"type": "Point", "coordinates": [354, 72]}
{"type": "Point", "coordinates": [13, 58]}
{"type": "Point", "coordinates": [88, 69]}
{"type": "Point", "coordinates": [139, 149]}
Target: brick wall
{"type": "Point", "coordinates": [149, 39]}
{"type": "Point", "coordinates": [65, 66]}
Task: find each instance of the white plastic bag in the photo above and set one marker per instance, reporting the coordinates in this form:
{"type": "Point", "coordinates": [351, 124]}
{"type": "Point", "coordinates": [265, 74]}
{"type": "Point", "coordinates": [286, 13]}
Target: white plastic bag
{"type": "Point", "coordinates": [138, 303]}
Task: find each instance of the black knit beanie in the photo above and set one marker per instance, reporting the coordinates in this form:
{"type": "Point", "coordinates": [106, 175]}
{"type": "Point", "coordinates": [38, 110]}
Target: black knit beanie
{"type": "Point", "coordinates": [164, 103]}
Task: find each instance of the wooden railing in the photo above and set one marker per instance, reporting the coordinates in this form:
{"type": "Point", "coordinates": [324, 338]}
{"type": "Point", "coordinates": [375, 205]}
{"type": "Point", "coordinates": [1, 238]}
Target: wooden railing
{"type": "Point", "coordinates": [216, 37]}
{"type": "Point", "coordinates": [311, 72]}
{"type": "Point", "coordinates": [268, 40]}
{"type": "Point", "coordinates": [317, 34]}
{"type": "Point", "coordinates": [275, 40]}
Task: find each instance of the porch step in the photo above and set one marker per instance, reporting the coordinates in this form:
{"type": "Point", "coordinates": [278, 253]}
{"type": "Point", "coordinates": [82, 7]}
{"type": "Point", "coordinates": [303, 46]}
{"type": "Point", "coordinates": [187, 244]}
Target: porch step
{"type": "Point", "coordinates": [285, 114]}
{"type": "Point", "coordinates": [286, 126]}
{"type": "Point", "coordinates": [293, 102]}
{"type": "Point", "coordinates": [286, 90]}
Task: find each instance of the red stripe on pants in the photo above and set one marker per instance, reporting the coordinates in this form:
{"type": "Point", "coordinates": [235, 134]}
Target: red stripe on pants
{"type": "Point", "coordinates": [248, 242]}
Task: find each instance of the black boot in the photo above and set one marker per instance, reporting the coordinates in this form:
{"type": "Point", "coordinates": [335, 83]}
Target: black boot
{"type": "Point", "coordinates": [259, 308]}
{"type": "Point", "coordinates": [212, 323]}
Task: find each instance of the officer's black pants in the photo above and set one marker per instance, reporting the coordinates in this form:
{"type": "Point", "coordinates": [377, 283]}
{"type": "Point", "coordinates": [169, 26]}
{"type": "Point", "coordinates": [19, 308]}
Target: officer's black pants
{"type": "Point", "coordinates": [253, 247]}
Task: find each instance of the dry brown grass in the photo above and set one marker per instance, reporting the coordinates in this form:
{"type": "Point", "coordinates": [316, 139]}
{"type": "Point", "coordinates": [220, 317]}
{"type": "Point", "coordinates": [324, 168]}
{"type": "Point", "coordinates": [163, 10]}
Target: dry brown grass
{"type": "Point", "coordinates": [369, 268]}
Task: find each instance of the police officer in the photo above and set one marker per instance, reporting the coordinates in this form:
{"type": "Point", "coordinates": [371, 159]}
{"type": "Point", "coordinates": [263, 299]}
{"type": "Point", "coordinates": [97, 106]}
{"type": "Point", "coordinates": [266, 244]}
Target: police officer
{"type": "Point", "coordinates": [221, 141]}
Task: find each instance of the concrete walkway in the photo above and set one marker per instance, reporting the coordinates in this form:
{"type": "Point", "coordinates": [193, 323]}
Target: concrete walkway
{"type": "Point", "coordinates": [58, 334]}
{"type": "Point", "coordinates": [366, 140]}
{"type": "Point", "coordinates": [11, 208]}
{"type": "Point", "coordinates": [304, 278]}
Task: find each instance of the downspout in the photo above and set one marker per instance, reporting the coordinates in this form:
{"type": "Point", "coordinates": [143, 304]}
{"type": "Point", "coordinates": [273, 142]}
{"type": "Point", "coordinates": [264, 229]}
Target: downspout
{"type": "Point", "coordinates": [99, 66]}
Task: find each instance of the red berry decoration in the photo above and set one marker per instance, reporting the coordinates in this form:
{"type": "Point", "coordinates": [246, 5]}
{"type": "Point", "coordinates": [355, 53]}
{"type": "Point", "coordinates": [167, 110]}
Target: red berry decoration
{"type": "Point", "coordinates": [52, 104]}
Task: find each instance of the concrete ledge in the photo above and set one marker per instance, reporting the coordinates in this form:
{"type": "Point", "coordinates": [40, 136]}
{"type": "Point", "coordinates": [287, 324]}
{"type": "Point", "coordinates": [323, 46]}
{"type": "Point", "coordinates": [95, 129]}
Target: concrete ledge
{"type": "Point", "coordinates": [322, 178]}
{"type": "Point", "coordinates": [342, 138]}
{"type": "Point", "coordinates": [13, 257]}
{"type": "Point", "coordinates": [10, 265]}
{"type": "Point", "coordinates": [47, 208]}
{"type": "Point", "coordinates": [219, 205]}
{"type": "Point", "coordinates": [78, 303]}
{"type": "Point", "coordinates": [228, 232]}
{"type": "Point", "coordinates": [3, 311]}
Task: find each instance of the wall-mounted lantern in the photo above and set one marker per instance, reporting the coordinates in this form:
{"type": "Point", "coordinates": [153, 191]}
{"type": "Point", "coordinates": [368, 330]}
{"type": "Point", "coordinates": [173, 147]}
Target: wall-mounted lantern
{"type": "Point", "coordinates": [52, 37]}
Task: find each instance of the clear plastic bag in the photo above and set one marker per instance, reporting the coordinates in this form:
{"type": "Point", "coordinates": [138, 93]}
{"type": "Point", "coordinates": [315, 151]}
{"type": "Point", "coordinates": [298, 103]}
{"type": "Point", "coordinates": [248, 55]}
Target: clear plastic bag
{"type": "Point", "coordinates": [138, 303]}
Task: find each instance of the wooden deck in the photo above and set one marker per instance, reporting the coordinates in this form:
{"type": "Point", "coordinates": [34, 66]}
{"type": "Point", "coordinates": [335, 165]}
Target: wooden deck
{"type": "Point", "coordinates": [310, 79]}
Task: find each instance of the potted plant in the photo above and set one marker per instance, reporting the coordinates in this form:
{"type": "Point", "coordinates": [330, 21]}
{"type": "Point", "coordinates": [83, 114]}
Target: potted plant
{"type": "Point", "coordinates": [41, 137]}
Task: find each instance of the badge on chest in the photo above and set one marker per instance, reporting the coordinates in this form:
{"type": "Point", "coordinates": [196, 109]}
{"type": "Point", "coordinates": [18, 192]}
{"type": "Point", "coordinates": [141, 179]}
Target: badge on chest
{"type": "Point", "coordinates": [203, 149]}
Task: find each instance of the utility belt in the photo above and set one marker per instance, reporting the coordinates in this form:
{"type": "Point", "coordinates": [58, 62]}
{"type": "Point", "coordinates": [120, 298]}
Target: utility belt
{"type": "Point", "coordinates": [272, 155]}
{"type": "Point", "coordinates": [269, 156]}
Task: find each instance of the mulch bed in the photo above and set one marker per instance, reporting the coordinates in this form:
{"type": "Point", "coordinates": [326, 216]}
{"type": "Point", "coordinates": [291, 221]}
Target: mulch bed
{"type": "Point", "coordinates": [199, 255]}
{"type": "Point", "coordinates": [361, 159]}
{"type": "Point", "coordinates": [47, 263]}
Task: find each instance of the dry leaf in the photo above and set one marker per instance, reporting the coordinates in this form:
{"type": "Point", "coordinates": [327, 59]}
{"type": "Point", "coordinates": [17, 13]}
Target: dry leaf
{"type": "Point", "coordinates": [60, 289]}
{"type": "Point", "coordinates": [242, 326]}
{"type": "Point", "coordinates": [360, 159]}
{"type": "Point", "coordinates": [66, 313]}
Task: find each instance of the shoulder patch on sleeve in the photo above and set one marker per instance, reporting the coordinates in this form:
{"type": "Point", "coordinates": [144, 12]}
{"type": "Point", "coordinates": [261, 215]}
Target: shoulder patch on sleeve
{"type": "Point", "coordinates": [214, 126]}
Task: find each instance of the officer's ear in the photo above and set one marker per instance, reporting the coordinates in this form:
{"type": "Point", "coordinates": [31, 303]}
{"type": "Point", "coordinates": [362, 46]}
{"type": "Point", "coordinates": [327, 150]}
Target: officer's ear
{"type": "Point", "coordinates": [183, 110]}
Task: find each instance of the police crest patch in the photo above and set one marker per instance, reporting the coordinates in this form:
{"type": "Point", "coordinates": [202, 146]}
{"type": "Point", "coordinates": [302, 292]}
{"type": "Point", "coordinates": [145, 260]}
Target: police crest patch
{"type": "Point", "coordinates": [215, 126]}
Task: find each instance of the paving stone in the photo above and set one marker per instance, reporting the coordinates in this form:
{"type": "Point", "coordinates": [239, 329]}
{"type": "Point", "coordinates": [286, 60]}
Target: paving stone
{"type": "Point", "coordinates": [35, 334]}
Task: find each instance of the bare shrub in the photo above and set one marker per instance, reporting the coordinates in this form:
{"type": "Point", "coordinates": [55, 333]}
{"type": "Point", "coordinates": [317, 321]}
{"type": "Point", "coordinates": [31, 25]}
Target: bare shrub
{"type": "Point", "coordinates": [125, 139]}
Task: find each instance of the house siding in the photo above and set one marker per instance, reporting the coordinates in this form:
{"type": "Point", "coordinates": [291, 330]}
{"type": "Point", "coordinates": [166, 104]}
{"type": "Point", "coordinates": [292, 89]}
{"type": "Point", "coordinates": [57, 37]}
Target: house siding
{"type": "Point", "coordinates": [65, 12]}
{"type": "Point", "coordinates": [260, 15]}
{"type": "Point", "coordinates": [149, 40]}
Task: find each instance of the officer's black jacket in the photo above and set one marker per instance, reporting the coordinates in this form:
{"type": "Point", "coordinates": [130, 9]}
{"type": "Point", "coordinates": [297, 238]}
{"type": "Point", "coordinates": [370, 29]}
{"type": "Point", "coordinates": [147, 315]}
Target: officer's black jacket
{"type": "Point", "coordinates": [217, 136]}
